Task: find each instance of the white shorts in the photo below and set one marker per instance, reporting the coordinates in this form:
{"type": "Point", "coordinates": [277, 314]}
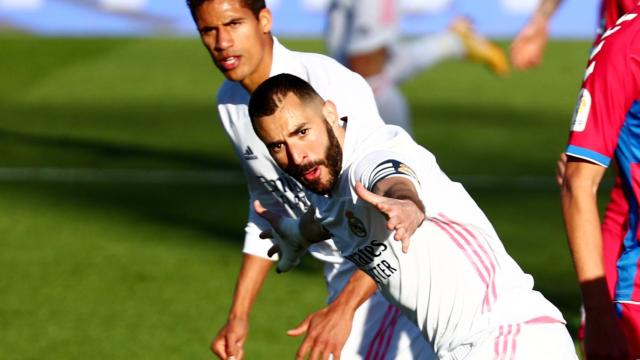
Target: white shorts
{"type": "Point", "coordinates": [380, 331]}
{"type": "Point", "coordinates": [360, 26]}
{"type": "Point", "coordinates": [527, 341]}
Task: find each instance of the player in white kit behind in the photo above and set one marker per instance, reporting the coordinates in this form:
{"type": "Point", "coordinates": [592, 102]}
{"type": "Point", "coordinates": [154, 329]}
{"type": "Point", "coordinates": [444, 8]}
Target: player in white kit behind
{"type": "Point", "coordinates": [456, 282]}
{"type": "Point", "coordinates": [365, 35]}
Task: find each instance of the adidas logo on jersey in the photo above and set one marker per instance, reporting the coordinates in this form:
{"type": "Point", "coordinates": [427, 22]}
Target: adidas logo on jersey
{"type": "Point", "coordinates": [248, 154]}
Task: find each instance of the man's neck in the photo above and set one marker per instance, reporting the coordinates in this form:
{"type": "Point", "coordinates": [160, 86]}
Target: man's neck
{"type": "Point", "coordinates": [262, 72]}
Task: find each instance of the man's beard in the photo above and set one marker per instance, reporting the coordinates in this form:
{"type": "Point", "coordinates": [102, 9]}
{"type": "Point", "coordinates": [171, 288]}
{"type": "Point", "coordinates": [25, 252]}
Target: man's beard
{"type": "Point", "coordinates": [332, 161]}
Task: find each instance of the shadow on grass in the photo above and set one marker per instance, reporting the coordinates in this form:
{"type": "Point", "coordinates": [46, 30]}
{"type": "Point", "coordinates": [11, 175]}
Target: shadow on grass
{"type": "Point", "coordinates": [217, 213]}
{"type": "Point", "coordinates": [101, 153]}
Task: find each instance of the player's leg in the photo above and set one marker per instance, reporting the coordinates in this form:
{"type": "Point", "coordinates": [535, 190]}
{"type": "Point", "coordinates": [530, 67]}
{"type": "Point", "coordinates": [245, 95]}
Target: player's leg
{"type": "Point", "coordinates": [459, 41]}
{"type": "Point", "coordinates": [380, 332]}
{"type": "Point", "coordinates": [392, 104]}
{"type": "Point", "coordinates": [360, 34]}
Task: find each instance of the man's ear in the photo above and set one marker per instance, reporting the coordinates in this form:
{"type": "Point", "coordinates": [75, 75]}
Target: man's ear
{"type": "Point", "coordinates": [330, 112]}
{"type": "Point", "coordinates": [265, 20]}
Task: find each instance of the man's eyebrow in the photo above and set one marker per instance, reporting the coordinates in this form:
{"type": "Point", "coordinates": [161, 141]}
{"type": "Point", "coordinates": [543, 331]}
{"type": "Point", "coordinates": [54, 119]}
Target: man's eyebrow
{"type": "Point", "coordinates": [209, 27]}
{"type": "Point", "coordinates": [298, 128]}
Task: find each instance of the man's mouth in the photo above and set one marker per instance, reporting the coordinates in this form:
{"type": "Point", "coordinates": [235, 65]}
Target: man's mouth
{"type": "Point", "coordinates": [229, 62]}
{"type": "Point", "coordinates": [311, 174]}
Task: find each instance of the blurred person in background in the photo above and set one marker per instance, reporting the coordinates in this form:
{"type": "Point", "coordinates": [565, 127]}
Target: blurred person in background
{"type": "Point", "coordinates": [604, 132]}
{"type": "Point", "coordinates": [358, 323]}
{"type": "Point", "coordinates": [527, 49]}
{"type": "Point", "coordinates": [365, 36]}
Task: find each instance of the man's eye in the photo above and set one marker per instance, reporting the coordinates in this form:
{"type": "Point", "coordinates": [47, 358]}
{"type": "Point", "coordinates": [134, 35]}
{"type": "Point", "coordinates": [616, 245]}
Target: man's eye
{"type": "Point", "coordinates": [276, 148]}
{"type": "Point", "coordinates": [303, 132]}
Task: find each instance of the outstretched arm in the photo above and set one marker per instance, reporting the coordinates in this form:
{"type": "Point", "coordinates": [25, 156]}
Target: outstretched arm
{"type": "Point", "coordinates": [528, 47]}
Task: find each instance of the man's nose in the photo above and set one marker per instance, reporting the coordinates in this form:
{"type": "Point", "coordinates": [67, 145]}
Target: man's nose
{"type": "Point", "coordinates": [224, 40]}
{"type": "Point", "coordinates": [297, 156]}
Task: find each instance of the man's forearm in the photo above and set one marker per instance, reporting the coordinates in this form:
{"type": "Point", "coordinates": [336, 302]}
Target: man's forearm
{"type": "Point", "coordinates": [547, 8]}
{"type": "Point", "coordinates": [359, 288]}
{"type": "Point", "coordinates": [582, 224]}
{"type": "Point", "coordinates": [253, 271]}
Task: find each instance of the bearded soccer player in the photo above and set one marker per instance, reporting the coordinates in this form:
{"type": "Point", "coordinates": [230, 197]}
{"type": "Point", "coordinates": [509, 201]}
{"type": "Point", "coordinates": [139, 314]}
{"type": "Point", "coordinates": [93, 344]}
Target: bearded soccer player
{"type": "Point", "coordinates": [604, 129]}
{"type": "Point", "coordinates": [455, 280]}
{"type": "Point", "coordinates": [237, 35]}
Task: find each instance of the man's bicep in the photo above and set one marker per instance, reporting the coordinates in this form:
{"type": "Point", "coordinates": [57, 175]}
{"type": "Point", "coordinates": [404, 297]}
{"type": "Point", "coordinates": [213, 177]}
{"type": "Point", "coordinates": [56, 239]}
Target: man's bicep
{"type": "Point", "coordinates": [583, 173]}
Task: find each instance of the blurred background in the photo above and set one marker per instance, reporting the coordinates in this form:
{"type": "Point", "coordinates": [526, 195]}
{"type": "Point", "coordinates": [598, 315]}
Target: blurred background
{"type": "Point", "coordinates": [122, 203]}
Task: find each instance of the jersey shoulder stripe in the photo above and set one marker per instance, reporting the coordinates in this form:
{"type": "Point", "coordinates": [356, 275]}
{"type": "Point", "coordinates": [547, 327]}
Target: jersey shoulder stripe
{"type": "Point", "coordinates": [587, 154]}
{"type": "Point", "coordinates": [390, 168]}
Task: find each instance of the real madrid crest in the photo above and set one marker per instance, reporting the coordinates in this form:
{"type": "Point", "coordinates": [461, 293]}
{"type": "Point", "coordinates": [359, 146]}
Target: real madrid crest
{"type": "Point", "coordinates": [356, 225]}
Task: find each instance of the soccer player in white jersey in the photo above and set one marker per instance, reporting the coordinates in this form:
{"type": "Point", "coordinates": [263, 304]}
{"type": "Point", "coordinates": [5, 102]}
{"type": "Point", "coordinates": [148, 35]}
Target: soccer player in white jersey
{"type": "Point", "coordinates": [456, 281]}
{"type": "Point", "coordinates": [365, 36]}
{"type": "Point", "coordinates": [237, 35]}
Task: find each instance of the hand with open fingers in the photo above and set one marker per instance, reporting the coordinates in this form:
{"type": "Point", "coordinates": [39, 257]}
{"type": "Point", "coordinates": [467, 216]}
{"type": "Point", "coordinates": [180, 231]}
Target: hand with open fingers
{"type": "Point", "coordinates": [289, 242]}
{"type": "Point", "coordinates": [326, 331]}
{"type": "Point", "coordinates": [403, 216]}
{"type": "Point", "coordinates": [229, 342]}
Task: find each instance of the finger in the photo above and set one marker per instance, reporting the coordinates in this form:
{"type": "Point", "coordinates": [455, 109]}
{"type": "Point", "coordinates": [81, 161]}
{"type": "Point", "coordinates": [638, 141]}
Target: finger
{"type": "Point", "coordinates": [267, 234]}
{"type": "Point", "coordinates": [405, 244]}
{"type": "Point", "coordinates": [275, 249]}
{"type": "Point", "coordinates": [392, 224]}
{"type": "Point", "coordinates": [218, 347]}
{"type": "Point", "coordinates": [301, 328]}
{"type": "Point", "coordinates": [270, 216]}
{"type": "Point", "coordinates": [240, 355]}
{"type": "Point", "coordinates": [303, 350]}
{"type": "Point", "coordinates": [336, 355]}
{"type": "Point", "coordinates": [367, 195]}
{"type": "Point", "coordinates": [316, 352]}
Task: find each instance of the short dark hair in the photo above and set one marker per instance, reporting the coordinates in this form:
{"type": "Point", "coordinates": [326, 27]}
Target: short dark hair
{"type": "Point", "coordinates": [268, 96]}
{"type": "Point", "coordinates": [254, 5]}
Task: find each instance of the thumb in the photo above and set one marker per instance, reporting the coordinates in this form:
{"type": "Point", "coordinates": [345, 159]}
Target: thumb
{"type": "Point", "coordinates": [272, 217]}
{"type": "Point", "coordinates": [367, 195]}
{"type": "Point", "coordinates": [300, 329]}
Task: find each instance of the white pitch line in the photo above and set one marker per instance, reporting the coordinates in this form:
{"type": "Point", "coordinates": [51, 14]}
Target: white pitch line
{"type": "Point", "coordinates": [224, 177]}
{"type": "Point", "coordinates": [87, 175]}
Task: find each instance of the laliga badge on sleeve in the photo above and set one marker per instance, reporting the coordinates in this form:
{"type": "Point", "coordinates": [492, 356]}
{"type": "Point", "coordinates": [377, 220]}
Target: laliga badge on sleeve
{"type": "Point", "coordinates": [581, 113]}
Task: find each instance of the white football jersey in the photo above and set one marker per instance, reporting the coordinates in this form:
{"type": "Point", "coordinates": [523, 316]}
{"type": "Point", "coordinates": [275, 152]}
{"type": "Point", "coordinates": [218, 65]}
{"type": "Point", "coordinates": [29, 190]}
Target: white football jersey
{"type": "Point", "coordinates": [266, 181]}
{"type": "Point", "coordinates": [456, 283]}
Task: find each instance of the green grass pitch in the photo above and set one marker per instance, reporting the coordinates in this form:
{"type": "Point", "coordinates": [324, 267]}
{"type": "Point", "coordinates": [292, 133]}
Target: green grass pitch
{"type": "Point", "coordinates": [133, 270]}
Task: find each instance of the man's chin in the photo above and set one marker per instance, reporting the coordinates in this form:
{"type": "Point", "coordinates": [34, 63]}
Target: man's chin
{"type": "Point", "coordinates": [318, 188]}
